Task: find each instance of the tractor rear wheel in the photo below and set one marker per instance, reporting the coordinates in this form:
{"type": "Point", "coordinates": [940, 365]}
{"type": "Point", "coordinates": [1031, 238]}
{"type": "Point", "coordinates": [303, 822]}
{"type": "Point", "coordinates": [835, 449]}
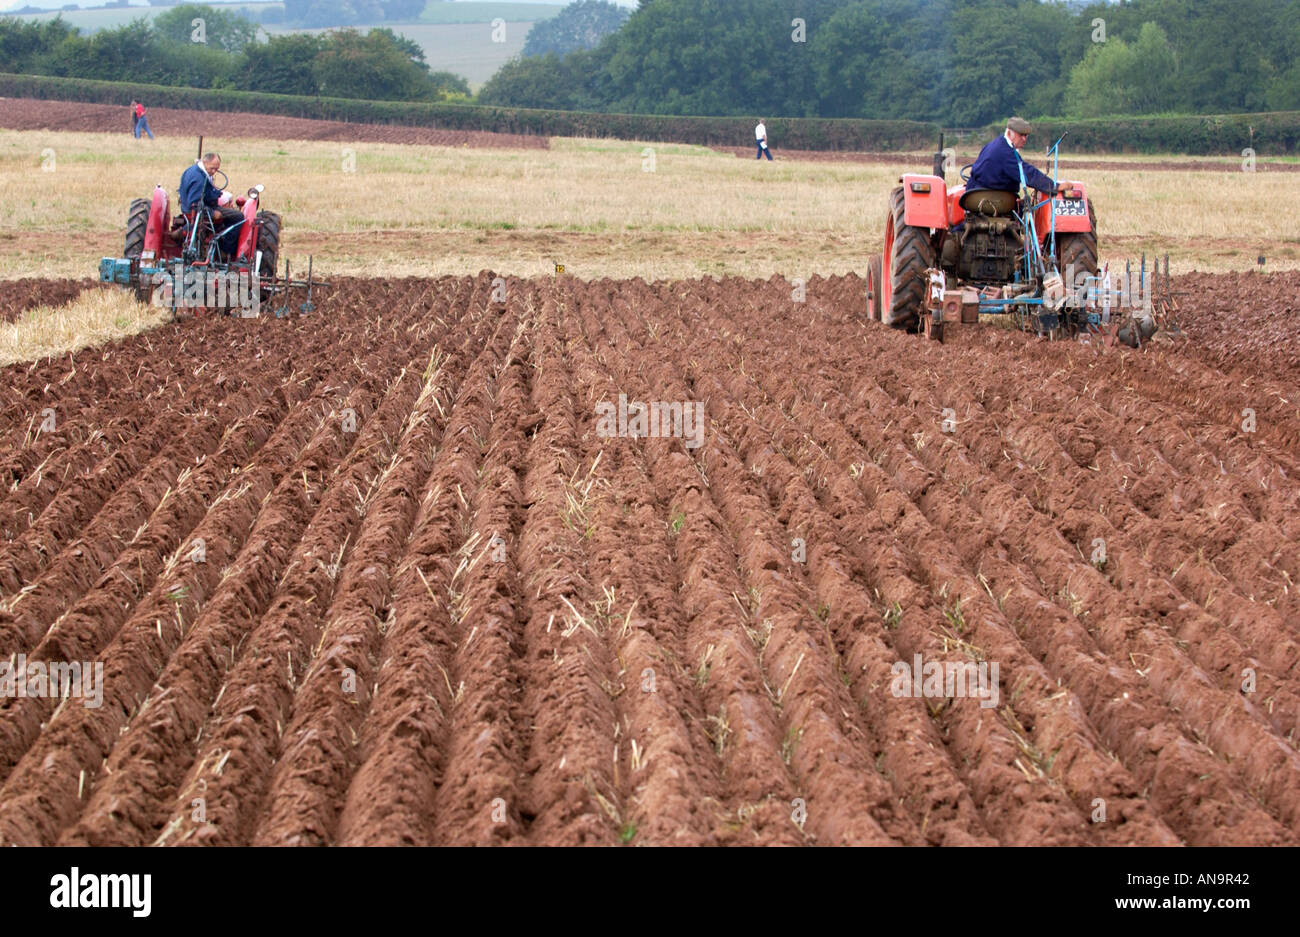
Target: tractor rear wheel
{"type": "Point", "coordinates": [137, 220]}
{"type": "Point", "coordinates": [1080, 250]}
{"type": "Point", "coordinates": [908, 254]}
{"type": "Point", "coordinates": [873, 288]}
{"type": "Point", "coordinates": [268, 242]}
{"type": "Point", "coordinates": [268, 245]}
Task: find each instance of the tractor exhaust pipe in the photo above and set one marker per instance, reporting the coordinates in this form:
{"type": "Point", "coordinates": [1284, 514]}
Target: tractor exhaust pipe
{"type": "Point", "coordinates": [939, 158]}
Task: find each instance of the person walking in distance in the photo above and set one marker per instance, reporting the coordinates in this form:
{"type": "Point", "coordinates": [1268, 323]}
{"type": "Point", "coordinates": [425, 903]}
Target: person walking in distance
{"type": "Point", "coordinates": [760, 137]}
{"type": "Point", "coordinates": [141, 122]}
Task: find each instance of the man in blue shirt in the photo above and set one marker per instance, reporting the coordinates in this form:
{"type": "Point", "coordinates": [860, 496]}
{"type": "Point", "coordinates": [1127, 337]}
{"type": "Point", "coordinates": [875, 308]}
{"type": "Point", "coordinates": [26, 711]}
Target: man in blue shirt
{"type": "Point", "coordinates": [197, 191]}
{"type": "Point", "coordinates": [998, 165]}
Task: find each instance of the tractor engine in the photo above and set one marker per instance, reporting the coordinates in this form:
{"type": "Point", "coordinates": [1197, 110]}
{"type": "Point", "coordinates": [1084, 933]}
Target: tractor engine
{"type": "Point", "coordinates": [989, 249]}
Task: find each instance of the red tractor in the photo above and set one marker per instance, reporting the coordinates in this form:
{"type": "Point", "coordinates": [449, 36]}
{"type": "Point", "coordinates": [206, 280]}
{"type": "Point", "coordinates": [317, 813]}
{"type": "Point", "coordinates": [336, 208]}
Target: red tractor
{"type": "Point", "coordinates": [951, 254]}
{"type": "Point", "coordinates": [181, 260]}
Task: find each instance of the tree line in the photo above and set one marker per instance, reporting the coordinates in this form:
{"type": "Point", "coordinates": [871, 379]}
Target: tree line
{"type": "Point", "coordinates": [221, 50]}
{"type": "Point", "coordinates": [962, 63]}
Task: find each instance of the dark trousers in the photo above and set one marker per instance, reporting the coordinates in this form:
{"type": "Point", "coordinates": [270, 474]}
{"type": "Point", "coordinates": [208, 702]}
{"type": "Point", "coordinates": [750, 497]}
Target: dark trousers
{"type": "Point", "coordinates": [223, 218]}
{"type": "Point", "coordinates": [762, 151]}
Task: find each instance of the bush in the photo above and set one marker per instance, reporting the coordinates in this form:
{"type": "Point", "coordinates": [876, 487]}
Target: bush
{"type": "Point", "coordinates": [1276, 133]}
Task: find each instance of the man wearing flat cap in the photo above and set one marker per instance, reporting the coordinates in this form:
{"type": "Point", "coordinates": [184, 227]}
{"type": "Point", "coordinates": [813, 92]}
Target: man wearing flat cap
{"type": "Point", "coordinates": [998, 165]}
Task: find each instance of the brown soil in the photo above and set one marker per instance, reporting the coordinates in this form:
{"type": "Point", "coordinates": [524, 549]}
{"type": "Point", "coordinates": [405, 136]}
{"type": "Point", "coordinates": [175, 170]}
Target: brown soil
{"type": "Point", "coordinates": [912, 162]}
{"type": "Point", "coordinates": [26, 114]}
{"type": "Point", "coordinates": [373, 577]}
{"type": "Point", "coordinates": [17, 296]}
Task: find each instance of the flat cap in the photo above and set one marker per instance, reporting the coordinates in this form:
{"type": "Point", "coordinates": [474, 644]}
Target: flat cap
{"type": "Point", "coordinates": [1019, 125]}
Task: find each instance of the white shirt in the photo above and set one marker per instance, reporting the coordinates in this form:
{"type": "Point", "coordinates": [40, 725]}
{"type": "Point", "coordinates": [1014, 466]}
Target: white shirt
{"type": "Point", "coordinates": [760, 132]}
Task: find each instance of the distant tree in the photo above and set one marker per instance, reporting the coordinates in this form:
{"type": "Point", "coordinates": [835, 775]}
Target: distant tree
{"type": "Point", "coordinates": [1118, 78]}
{"type": "Point", "coordinates": [282, 64]}
{"type": "Point", "coordinates": [544, 81]}
{"type": "Point", "coordinates": [413, 50]}
{"type": "Point", "coordinates": [580, 25]}
{"type": "Point", "coordinates": [373, 66]}
{"type": "Point", "coordinates": [1005, 59]}
{"type": "Point", "coordinates": [882, 59]}
{"type": "Point", "coordinates": [26, 46]}
{"type": "Point", "coordinates": [224, 30]}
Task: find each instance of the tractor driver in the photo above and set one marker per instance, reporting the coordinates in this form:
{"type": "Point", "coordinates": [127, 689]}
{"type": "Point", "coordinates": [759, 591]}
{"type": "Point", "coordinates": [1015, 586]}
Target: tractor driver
{"type": "Point", "coordinates": [197, 190]}
{"type": "Point", "coordinates": [997, 168]}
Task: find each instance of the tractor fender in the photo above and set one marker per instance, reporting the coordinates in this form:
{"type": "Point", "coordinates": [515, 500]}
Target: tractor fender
{"type": "Point", "coordinates": [248, 230]}
{"type": "Point", "coordinates": [924, 201]}
{"type": "Point", "coordinates": [159, 222]}
{"type": "Point", "coordinates": [1065, 224]}
{"type": "Point", "coordinates": [956, 214]}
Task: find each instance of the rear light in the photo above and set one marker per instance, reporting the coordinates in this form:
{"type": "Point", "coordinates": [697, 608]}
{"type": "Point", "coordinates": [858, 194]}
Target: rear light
{"type": "Point", "coordinates": [920, 187]}
{"type": "Point", "coordinates": [1072, 193]}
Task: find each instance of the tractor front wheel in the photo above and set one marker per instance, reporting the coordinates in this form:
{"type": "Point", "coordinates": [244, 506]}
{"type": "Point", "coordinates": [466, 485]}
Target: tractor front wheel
{"type": "Point", "coordinates": [1076, 252]}
{"type": "Point", "coordinates": [908, 254]}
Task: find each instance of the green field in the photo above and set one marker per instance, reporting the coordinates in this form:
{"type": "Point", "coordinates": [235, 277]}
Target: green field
{"type": "Point", "coordinates": [455, 37]}
{"type": "Point", "coordinates": [463, 48]}
{"type": "Point", "coordinates": [435, 14]}
{"type": "Point", "coordinates": [88, 21]}
{"type": "Point", "coordinates": [486, 12]}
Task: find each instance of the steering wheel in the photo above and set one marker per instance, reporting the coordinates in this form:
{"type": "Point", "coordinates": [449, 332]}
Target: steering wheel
{"type": "Point", "coordinates": [225, 180]}
{"type": "Point", "coordinates": [965, 172]}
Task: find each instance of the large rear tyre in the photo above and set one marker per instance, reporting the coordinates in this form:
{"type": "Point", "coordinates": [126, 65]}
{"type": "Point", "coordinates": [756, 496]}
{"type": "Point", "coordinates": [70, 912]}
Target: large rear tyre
{"type": "Point", "coordinates": [908, 254]}
{"type": "Point", "coordinates": [137, 222]}
{"type": "Point", "coordinates": [268, 242]}
{"type": "Point", "coordinates": [268, 246]}
{"type": "Point", "coordinates": [873, 288]}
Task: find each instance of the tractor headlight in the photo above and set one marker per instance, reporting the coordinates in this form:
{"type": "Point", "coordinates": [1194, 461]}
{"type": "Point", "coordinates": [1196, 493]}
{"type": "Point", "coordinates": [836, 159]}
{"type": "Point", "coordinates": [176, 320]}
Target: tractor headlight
{"type": "Point", "coordinates": [920, 187]}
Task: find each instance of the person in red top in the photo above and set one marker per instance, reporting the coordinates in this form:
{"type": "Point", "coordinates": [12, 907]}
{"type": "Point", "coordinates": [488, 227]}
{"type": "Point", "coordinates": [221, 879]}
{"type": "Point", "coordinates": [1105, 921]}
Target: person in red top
{"type": "Point", "coordinates": [141, 122]}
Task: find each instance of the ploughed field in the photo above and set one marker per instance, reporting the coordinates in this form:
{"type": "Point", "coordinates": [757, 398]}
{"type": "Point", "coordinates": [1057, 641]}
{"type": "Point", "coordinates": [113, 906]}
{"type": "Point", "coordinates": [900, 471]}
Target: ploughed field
{"type": "Point", "coordinates": [30, 114]}
{"type": "Point", "coordinates": [383, 575]}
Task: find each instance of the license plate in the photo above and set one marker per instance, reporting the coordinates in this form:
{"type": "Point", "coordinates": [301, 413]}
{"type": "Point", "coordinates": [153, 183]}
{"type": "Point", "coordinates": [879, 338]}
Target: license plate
{"type": "Point", "coordinates": [1070, 206]}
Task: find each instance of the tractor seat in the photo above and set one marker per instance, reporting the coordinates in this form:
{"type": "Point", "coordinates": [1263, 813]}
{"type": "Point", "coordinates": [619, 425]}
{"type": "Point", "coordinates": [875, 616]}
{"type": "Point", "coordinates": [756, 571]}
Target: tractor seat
{"type": "Point", "coordinates": [989, 202]}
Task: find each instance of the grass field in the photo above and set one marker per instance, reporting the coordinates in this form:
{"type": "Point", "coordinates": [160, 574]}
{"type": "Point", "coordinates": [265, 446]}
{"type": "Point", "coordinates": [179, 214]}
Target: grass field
{"type": "Point", "coordinates": [94, 317]}
{"type": "Point", "coordinates": [588, 204]}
